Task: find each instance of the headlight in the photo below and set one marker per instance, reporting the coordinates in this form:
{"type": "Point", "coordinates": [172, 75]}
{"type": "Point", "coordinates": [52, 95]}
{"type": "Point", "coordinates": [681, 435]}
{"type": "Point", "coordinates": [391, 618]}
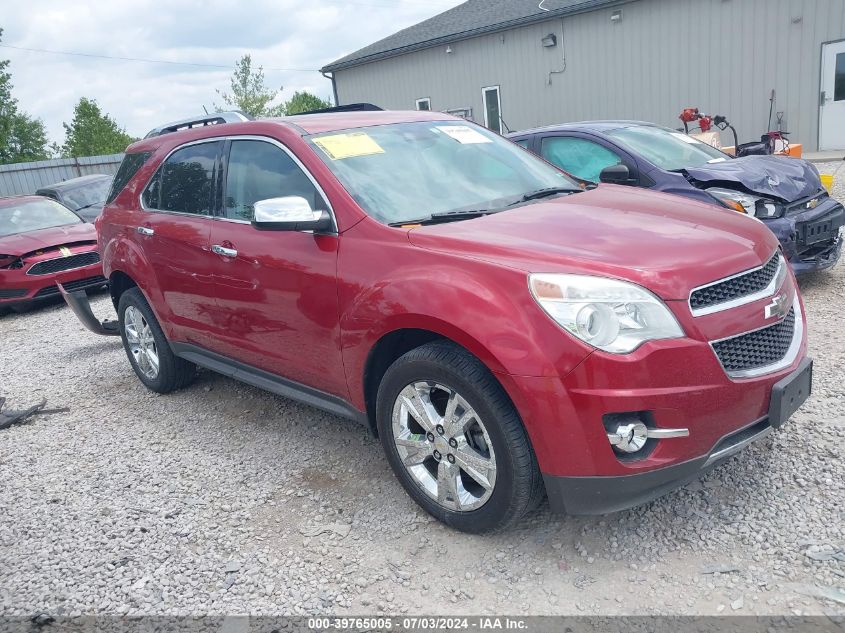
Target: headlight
{"type": "Point", "coordinates": [754, 206]}
{"type": "Point", "coordinates": [614, 316]}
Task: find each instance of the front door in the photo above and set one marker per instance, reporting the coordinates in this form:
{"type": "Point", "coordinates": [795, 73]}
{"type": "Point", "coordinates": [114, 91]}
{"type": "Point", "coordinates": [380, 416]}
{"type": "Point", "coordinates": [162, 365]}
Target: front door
{"type": "Point", "coordinates": [832, 116]}
{"type": "Point", "coordinates": [276, 290]}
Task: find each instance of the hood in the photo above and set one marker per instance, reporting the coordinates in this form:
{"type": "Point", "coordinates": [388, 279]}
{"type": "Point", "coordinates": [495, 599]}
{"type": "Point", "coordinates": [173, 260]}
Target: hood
{"type": "Point", "coordinates": [23, 243]}
{"type": "Point", "coordinates": [786, 179]}
{"type": "Point", "coordinates": [666, 243]}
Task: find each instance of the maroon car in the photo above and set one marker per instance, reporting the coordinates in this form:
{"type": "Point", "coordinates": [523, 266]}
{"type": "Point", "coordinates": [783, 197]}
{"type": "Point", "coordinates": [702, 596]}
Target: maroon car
{"type": "Point", "coordinates": [42, 242]}
{"type": "Point", "coordinates": [504, 331]}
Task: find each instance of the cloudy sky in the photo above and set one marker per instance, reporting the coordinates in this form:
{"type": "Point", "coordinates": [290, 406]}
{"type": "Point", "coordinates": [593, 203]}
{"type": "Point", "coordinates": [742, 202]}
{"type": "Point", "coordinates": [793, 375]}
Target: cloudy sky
{"type": "Point", "coordinates": [290, 38]}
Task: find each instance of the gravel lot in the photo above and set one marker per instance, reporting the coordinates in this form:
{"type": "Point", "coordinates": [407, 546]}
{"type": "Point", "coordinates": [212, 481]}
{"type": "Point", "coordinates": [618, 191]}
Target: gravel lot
{"type": "Point", "coordinates": [226, 499]}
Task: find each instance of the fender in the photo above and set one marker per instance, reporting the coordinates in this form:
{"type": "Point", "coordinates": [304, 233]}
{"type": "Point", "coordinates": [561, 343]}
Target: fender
{"type": "Point", "coordinates": [122, 255]}
{"type": "Point", "coordinates": [495, 319]}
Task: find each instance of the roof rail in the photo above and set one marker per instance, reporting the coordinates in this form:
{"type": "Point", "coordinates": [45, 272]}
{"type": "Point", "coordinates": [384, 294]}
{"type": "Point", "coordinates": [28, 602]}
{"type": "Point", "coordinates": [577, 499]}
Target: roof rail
{"type": "Point", "coordinates": [236, 116]}
{"type": "Point", "coordinates": [352, 107]}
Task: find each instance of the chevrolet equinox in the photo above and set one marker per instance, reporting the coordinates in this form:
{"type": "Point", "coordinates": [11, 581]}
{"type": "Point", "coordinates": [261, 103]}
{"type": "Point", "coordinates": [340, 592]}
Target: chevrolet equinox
{"type": "Point", "coordinates": [506, 331]}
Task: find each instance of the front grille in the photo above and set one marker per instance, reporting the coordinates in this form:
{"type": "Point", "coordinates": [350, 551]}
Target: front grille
{"type": "Point", "coordinates": [11, 293]}
{"type": "Point", "coordinates": [64, 263]}
{"type": "Point", "coordinates": [70, 286]}
{"type": "Point", "coordinates": [800, 206]}
{"type": "Point", "coordinates": [757, 349]}
{"type": "Point", "coordinates": [737, 287]}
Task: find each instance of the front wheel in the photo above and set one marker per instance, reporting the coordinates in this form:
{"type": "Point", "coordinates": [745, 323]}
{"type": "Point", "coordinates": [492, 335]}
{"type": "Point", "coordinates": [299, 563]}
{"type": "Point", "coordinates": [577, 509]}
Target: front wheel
{"type": "Point", "coordinates": [148, 351]}
{"type": "Point", "coordinates": [455, 441]}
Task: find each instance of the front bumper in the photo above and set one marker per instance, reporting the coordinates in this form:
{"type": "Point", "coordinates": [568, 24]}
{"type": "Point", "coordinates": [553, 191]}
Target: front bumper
{"type": "Point", "coordinates": [602, 495]}
{"type": "Point", "coordinates": [673, 384]}
{"type": "Point", "coordinates": [19, 288]}
{"type": "Point", "coordinates": [803, 247]}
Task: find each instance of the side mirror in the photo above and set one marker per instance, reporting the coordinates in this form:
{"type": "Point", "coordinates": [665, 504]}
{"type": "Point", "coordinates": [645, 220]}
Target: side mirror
{"type": "Point", "coordinates": [618, 175]}
{"type": "Point", "coordinates": [291, 213]}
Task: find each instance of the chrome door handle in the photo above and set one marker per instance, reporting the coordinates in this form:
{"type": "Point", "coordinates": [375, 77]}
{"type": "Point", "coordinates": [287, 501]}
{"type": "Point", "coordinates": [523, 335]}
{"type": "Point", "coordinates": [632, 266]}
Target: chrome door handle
{"type": "Point", "coordinates": [223, 251]}
{"type": "Point", "coordinates": [143, 230]}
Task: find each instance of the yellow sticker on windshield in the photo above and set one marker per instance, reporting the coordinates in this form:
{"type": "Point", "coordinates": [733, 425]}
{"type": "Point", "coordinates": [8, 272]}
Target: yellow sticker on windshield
{"type": "Point", "coordinates": [339, 146]}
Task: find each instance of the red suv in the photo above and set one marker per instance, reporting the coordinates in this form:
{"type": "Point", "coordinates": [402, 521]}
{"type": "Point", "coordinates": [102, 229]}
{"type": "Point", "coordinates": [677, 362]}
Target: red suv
{"type": "Point", "coordinates": [504, 331]}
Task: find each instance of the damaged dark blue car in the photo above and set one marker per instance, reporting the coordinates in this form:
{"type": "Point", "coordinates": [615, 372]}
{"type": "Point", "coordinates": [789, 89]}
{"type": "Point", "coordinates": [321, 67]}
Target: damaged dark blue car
{"type": "Point", "coordinates": [784, 193]}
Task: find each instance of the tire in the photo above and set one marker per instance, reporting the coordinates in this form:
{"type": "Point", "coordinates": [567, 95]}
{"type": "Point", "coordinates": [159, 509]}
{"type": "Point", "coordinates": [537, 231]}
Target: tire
{"type": "Point", "coordinates": [172, 372]}
{"type": "Point", "coordinates": [493, 436]}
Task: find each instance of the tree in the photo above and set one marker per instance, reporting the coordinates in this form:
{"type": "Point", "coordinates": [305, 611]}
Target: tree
{"type": "Point", "coordinates": [305, 102]}
{"type": "Point", "coordinates": [249, 94]}
{"type": "Point", "coordinates": [22, 137]}
{"type": "Point", "coordinates": [93, 132]}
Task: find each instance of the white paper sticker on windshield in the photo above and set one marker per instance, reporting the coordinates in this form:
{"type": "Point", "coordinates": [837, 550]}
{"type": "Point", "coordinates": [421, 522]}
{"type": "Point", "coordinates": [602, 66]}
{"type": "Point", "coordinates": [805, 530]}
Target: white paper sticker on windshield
{"type": "Point", "coordinates": [686, 138]}
{"type": "Point", "coordinates": [464, 134]}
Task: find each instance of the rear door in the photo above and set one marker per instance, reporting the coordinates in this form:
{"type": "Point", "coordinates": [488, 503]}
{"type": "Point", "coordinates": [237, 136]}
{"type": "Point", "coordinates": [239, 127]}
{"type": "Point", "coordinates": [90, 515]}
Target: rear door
{"type": "Point", "coordinates": [276, 291]}
{"type": "Point", "coordinates": [174, 232]}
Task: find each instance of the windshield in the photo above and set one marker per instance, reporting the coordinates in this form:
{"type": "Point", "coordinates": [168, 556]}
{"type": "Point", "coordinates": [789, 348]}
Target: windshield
{"type": "Point", "coordinates": [35, 215]}
{"type": "Point", "coordinates": [92, 193]}
{"type": "Point", "coordinates": [667, 149]}
{"type": "Point", "coordinates": [407, 171]}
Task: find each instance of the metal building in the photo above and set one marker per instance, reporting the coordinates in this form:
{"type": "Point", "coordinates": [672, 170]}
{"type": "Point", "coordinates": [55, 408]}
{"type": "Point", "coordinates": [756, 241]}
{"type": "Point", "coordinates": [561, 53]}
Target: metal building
{"type": "Point", "coordinates": [515, 64]}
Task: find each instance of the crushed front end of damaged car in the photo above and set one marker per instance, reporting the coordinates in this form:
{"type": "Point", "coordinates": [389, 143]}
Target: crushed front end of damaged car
{"type": "Point", "coordinates": [787, 195]}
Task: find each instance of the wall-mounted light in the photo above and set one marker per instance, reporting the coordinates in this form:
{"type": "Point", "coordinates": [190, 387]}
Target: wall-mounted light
{"type": "Point", "coordinates": [616, 16]}
{"type": "Point", "coordinates": [448, 50]}
{"type": "Point", "coordinates": [549, 41]}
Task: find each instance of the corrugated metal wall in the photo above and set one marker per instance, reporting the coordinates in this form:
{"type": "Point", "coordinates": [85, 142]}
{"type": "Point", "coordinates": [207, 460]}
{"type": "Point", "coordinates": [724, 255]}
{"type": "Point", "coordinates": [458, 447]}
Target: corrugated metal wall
{"type": "Point", "coordinates": [24, 178]}
{"type": "Point", "coordinates": [722, 56]}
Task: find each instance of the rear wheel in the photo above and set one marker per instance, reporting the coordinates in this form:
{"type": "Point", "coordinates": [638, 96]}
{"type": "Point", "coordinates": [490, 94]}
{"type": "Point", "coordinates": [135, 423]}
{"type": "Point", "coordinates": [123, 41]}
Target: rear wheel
{"type": "Point", "coordinates": [455, 441]}
{"type": "Point", "coordinates": [148, 351]}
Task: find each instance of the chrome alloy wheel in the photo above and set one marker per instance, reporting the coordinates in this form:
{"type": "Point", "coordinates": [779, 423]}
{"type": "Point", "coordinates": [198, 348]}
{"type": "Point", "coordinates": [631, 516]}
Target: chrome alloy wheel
{"type": "Point", "coordinates": [141, 342]}
{"type": "Point", "coordinates": [444, 446]}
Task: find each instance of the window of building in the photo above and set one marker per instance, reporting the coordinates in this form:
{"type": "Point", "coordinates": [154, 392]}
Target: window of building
{"type": "Point", "coordinates": [465, 113]}
{"type": "Point", "coordinates": [424, 103]}
{"type": "Point", "coordinates": [185, 182]}
{"type": "Point", "coordinates": [258, 170]}
{"type": "Point", "coordinates": [839, 80]}
{"type": "Point", "coordinates": [578, 156]}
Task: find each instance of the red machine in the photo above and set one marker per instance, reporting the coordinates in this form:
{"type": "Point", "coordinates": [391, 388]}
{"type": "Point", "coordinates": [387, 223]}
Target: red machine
{"type": "Point", "coordinates": [689, 115]}
{"type": "Point", "coordinates": [767, 145]}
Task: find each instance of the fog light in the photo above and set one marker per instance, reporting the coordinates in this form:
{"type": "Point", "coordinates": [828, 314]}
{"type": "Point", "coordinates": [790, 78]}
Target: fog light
{"type": "Point", "coordinates": [629, 438]}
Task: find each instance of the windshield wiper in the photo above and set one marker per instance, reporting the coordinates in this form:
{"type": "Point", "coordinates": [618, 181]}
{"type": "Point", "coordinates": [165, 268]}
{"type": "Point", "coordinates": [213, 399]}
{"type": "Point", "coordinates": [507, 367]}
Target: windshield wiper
{"type": "Point", "coordinates": [548, 191]}
{"type": "Point", "coordinates": [447, 216]}
{"type": "Point", "coordinates": [93, 204]}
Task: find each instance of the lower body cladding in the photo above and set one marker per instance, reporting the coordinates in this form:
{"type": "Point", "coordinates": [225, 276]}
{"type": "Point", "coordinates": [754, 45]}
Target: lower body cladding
{"type": "Point", "coordinates": [619, 432]}
{"type": "Point", "coordinates": [810, 239]}
{"type": "Point", "coordinates": [18, 288]}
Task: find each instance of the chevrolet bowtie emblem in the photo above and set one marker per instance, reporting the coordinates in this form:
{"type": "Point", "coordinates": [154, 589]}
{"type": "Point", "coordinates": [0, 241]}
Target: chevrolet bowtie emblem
{"type": "Point", "coordinates": [777, 308]}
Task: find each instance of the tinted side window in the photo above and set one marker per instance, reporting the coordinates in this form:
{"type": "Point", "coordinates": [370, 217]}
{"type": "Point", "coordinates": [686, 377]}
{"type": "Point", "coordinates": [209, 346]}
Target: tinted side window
{"type": "Point", "coordinates": [259, 171]}
{"type": "Point", "coordinates": [185, 182]}
{"type": "Point", "coordinates": [523, 142]}
{"type": "Point", "coordinates": [578, 156]}
{"type": "Point", "coordinates": [129, 166]}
